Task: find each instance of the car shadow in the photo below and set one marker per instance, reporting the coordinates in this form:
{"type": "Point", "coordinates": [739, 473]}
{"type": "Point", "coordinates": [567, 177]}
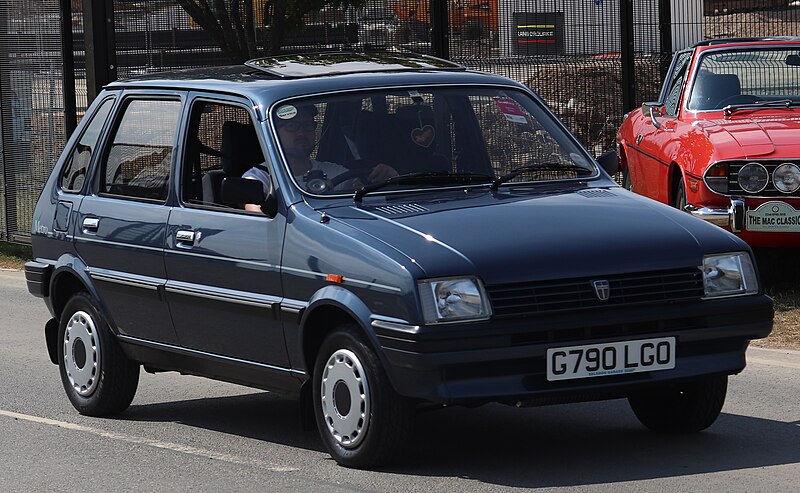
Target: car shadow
{"type": "Point", "coordinates": [565, 445]}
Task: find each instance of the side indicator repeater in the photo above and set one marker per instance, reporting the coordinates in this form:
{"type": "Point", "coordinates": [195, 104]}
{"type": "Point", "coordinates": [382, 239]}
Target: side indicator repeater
{"type": "Point", "coordinates": [337, 278]}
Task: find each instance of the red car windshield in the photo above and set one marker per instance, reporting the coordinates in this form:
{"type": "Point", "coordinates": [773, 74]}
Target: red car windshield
{"type": "Point", "coordinates": [746, 76]}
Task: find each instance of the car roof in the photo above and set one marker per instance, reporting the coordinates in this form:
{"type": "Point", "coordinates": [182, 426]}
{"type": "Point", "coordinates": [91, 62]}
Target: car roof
{"type": "Point", "coordinates": [267, 80]}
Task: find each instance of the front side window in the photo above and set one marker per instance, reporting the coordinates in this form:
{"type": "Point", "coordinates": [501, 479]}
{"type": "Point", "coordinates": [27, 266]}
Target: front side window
{"type": "Point", "coordinates": [73, 174]}
{"type": "Point", "coordinates": [746, 76]}
{"type": "Point", "coordinates": [222, 142]}
{"type": "Point", "coordinates": [138, 161]}
{"type": "Point", "coordinates": [423, 138]}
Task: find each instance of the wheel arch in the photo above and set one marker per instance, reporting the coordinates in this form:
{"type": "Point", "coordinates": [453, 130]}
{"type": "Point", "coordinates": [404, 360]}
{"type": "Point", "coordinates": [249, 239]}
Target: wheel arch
{"type": "Point", "coordinates": [676, 173]}
{"type": "Point", "coordinates": [329, 308]}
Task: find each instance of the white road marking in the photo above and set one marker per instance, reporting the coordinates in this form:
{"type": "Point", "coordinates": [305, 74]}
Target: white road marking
{"type": "Point", "coordinates": [175, 447]}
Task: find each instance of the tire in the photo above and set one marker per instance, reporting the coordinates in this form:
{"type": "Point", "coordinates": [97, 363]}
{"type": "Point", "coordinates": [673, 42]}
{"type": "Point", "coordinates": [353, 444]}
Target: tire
{"type": "Point", "coordinates": [627, 183]}
{"type": "Point", "coordinates": [348, 378]}
{"type": "Point", "coordinates": [97, 376]}
{"type": "Point", "coordinates": [688, 408]}
{"type": "Point", "coordinates": [679, 200]}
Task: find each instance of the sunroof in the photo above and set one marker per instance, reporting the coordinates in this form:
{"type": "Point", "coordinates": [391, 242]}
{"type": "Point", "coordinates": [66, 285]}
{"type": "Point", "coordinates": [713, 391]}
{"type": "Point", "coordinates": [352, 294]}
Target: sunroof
{"type": "Point", "coordinates": [319, 64]}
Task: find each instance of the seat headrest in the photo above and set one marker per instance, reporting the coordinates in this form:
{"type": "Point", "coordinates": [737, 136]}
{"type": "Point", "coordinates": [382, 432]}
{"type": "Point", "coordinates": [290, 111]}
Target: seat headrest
{"type": "Point", "coordinates": [240, 148]}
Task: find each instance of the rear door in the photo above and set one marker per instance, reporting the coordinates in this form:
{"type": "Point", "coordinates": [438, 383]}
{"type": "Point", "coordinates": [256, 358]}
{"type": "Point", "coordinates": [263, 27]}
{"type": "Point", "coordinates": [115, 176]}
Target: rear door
{"type": "Point", "coordinates": [122, 224]}
{"type": "Point", "coordinates": [223, 262]}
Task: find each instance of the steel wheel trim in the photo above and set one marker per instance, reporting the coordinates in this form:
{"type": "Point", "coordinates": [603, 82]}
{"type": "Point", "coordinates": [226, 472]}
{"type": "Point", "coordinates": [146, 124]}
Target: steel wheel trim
{"type": "Point", "coordinates": [82, 353]}
{"type": "Point", "coordinates": [345, 398]}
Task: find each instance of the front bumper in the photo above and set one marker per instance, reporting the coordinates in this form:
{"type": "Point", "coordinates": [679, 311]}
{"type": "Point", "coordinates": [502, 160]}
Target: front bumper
{"type": "Point", "coordinates": [731, 217]}
{"type": "Point", "coordinates": [505, 360]}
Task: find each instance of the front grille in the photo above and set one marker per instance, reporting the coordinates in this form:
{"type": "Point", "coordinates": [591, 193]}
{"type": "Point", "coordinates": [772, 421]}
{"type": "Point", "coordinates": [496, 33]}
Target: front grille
{"type": "Point", "coordinates": [523, 299]}
{"type": "Point", "coordinates": [770, 191]}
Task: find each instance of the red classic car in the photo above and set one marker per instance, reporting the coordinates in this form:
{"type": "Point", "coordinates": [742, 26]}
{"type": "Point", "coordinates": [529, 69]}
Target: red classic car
{"type": "Point", "coordinates": [723, 141]}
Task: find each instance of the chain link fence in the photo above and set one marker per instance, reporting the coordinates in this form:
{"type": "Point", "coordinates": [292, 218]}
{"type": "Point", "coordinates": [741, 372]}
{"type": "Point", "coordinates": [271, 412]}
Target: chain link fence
{"type": "Point", "coordinates": [568, 51]}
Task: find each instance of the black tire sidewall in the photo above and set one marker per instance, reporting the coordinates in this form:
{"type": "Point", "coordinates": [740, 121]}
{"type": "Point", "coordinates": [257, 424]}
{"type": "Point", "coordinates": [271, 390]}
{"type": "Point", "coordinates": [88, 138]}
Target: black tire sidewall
{"type": "Point", "coordinates": [104, 400]}
{"type": "Point", "coordinates": [388, 412]}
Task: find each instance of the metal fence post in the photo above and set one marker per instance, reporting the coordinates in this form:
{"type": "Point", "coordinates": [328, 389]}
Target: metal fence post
{"type": "Point", "coordinates": [7, 193]}
{"type": "Point", "coordinates": [440, 43]}
{"type": "Point", "coordinates": [68, 69]}
{"type": "Point", "coordinates": [665, 32]}
{"type": "Point", "coordinates": [101, 51]}
{"type": "Point", "coordinates": [627, 49]}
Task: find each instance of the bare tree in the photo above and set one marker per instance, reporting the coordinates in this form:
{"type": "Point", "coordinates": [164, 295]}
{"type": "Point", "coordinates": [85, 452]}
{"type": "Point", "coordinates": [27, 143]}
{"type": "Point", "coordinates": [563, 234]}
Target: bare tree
{"type": "Point", "coordinates": [232, 23]}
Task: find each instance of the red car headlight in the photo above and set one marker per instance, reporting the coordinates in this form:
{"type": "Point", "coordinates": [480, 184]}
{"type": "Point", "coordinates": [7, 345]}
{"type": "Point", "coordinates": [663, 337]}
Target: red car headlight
{"type": "Point", "coordinates": [753, 177]}
{"type": "Point", "coordinates": [786, 177]}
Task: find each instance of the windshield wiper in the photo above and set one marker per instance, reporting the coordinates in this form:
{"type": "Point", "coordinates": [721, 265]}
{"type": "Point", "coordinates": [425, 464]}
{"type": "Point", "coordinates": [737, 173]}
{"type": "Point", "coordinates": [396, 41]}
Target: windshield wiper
{"type": "Point", "coordinates": [423, 178]}
{"type": "Point", "coordinates": [539, 167]}
{"type": "Point", "coordinates": [779, 103]}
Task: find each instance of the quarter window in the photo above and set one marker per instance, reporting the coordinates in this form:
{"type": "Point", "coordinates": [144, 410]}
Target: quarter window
{"type": "Point", "coordinates": [73, 175]}
{"type": "Point", "coordinates": [139, 159]}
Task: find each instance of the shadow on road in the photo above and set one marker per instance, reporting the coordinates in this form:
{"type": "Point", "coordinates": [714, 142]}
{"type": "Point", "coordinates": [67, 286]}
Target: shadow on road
{"type": "Point", "coordinates": [568, 445]}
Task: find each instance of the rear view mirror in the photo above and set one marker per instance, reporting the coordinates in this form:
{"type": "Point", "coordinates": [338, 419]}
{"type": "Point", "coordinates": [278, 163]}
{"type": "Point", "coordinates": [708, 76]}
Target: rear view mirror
{"type": "Point", "coordinates": [655, 110]}
{"type": "Point", "coordinates": [609, 162]}
{"type": "Point", "coordinates": [246, 191]}
{"type": "Point", "coordinates": [793, 60]}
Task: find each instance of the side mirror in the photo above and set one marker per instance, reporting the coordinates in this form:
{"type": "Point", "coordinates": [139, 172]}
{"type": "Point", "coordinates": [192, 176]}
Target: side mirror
{"type": "Point", "coordinates": [655, 110]}
{"type": "Point", "coordinates": [246, 191]}
{"type": "Point", "coordinates": [609, 162]}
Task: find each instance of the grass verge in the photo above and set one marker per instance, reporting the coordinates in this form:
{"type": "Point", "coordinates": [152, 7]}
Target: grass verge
{"type": "Point", "coordinates": [14, 256]}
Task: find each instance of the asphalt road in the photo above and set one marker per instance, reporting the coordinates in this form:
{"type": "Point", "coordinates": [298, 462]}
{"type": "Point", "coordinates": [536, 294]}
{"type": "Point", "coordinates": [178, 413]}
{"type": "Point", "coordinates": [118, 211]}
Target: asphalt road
{"type": "Point", "coordinates": [192, 434]}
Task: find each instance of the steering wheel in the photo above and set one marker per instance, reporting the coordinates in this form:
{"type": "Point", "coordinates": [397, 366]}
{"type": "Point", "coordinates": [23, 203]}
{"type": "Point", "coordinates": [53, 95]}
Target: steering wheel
{"type": "Point", "coordinates": [361, 170]}
{"type": "Point", "coordinates": [737, 99]}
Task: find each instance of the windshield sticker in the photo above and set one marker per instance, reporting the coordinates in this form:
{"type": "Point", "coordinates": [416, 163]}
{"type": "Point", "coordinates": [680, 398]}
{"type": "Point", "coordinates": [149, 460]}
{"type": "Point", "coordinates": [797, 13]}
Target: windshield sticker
{"type": "Point", "coordinates": [286, 112]}
{"type": "Point", "coordinates": [424, 136]}
{"type": "Point", "coordinates": [511, 110]}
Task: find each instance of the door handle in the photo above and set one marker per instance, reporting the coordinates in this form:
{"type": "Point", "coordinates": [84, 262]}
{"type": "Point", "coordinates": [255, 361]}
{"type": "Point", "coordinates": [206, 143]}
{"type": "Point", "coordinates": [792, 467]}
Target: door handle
{"type": "Point", "coordinates": [91, 224]}
{"type": "Point", "coordinates": [185, 237]}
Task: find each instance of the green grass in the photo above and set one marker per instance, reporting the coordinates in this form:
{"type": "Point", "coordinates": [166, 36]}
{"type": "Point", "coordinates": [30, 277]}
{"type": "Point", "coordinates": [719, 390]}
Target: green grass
{"type": "Point", "coordinates": [13, 255]}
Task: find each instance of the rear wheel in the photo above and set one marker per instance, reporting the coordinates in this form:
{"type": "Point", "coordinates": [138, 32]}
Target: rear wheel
{"type": "Point", "coordinates": [97, 376]}
{"type": "Point", "coordinates": [686, 408]}
{"type": "Point", "coordinates": [362, 421]}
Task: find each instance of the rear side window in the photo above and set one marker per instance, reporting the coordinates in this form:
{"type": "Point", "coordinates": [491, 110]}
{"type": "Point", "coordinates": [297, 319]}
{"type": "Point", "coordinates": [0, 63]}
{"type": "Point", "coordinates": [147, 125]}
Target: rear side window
{"type": "Point", "coordinates": [73, 175]}
{"type": "Point", "coordinates": [138, 162]}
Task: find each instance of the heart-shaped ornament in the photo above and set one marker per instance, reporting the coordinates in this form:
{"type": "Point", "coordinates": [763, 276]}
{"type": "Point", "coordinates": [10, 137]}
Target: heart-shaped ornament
{"type": "Point", "coordinates": [424, 136]}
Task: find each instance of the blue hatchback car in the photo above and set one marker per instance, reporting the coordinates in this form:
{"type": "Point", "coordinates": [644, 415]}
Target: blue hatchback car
{"type": "Point", "coordinates": [371, 233]}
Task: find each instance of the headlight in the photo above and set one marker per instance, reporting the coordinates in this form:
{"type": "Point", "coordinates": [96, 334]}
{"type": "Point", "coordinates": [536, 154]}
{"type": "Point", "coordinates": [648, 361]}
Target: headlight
{"type": "Point", "coordinates": [786, 177]}
{"type": "Point", "coordinates": [717, 178]}
{"type": "Point", "coordinates": [445, 300]}
{"type": "Point", "coordinates": [753, 177]}
{"type": "Point", "coordinates": [729, 274]}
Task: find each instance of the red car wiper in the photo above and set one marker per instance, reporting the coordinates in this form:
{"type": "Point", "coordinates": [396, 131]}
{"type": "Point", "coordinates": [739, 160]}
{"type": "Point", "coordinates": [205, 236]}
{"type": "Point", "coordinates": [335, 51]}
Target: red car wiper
{"type": "Point", "coordinates": [780, 103]}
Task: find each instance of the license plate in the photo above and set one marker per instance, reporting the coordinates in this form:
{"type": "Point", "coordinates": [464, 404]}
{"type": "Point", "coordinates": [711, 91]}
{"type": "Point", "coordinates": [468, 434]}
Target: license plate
{"type": "Point", "coordinates": [614, 358]}
{"type": "Point", "coordinates": [774, 216]}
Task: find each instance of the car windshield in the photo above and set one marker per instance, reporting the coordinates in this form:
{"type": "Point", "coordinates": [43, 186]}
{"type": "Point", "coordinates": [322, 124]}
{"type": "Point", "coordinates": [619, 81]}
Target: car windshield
{"type": "Point", "coordinates": [441, 137]}
{"type": "Point", "coordinates": [745, 77]}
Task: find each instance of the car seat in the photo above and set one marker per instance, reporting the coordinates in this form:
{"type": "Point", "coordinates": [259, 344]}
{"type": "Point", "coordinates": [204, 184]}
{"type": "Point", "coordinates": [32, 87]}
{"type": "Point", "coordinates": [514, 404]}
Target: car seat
{"type": "Point", "coordinates": [240, 151]}
{"type": "Point", "coordinates": [712, 89]}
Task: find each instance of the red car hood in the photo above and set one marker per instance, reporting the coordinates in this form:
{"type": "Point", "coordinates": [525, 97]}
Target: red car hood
{"type": "Point", "coordinates": [753, 136]}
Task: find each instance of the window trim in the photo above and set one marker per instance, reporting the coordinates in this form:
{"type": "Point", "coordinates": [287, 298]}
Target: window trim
{"type": "Point", "coordinates": [125, 100]}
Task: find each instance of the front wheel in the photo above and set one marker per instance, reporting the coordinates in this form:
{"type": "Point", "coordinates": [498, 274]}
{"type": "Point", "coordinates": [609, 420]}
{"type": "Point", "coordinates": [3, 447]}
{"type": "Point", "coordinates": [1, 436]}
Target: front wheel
{"type": "Point", "coordinates": [686, 408]}
{"type": "Point", "coordinates": [362, 421]}
{"type": "Point", "coordinates": [97, 376]}
{"type": "Point", "coordinates": [679, 201]}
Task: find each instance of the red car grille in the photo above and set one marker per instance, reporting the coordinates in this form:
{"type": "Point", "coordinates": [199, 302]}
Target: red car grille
{"type": "Point", "coordinates": [522, 299]}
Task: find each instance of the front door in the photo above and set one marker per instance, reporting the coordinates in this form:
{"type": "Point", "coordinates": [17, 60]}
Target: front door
{"type": "Point", "coordinates": [223, 262]}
